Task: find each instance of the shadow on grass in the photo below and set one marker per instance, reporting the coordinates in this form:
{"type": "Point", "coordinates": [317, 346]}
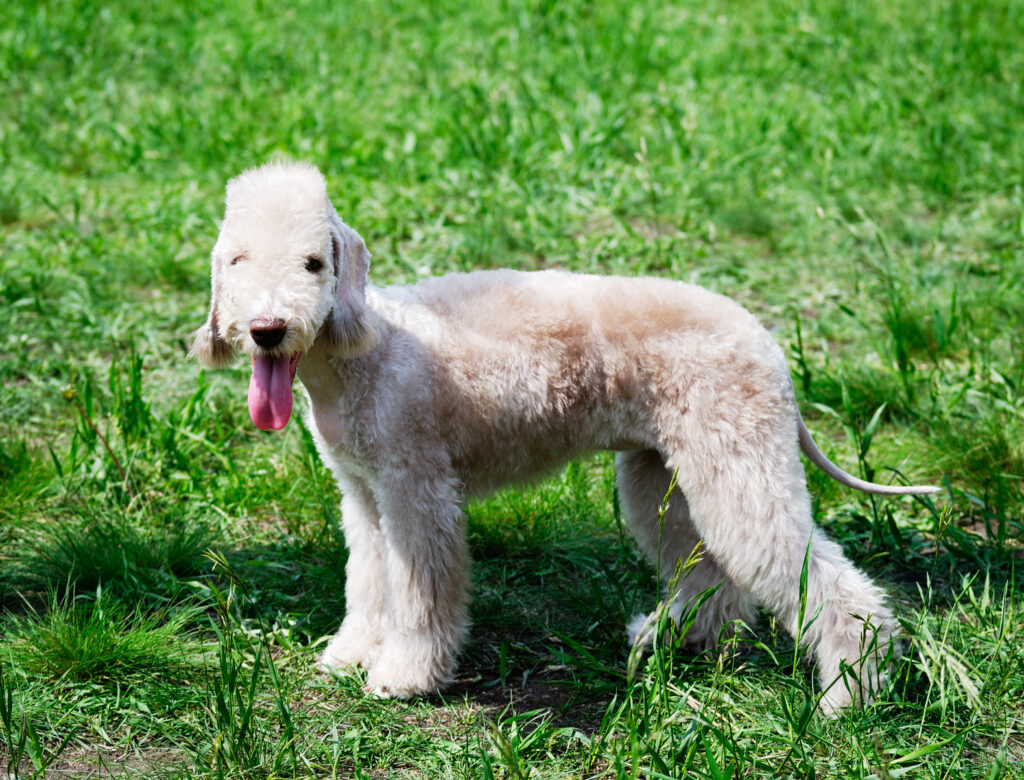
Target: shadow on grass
{"type": "Point", "coordinates": [547, 623]}
{"type": "Point", "coordinates": [550, 603]}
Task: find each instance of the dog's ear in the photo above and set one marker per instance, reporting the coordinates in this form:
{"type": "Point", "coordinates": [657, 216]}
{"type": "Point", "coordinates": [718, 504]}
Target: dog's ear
{"type": "Point", "coordinates": [208, 346]}
{"type": "Point", "coordinates": [352, 327]}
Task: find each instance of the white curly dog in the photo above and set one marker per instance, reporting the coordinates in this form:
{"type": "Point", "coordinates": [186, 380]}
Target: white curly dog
{"type": "Point", "coordinates": [425, 395]}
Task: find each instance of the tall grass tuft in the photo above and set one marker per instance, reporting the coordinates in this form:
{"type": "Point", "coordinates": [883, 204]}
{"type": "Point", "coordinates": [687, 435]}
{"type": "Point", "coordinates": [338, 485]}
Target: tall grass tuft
{"type": "Point", "coordinates": [102, 640]}
{"type": "Point", "coordinates": [244, 737]}
{"type": "Point", "coordinates": [108, 546]}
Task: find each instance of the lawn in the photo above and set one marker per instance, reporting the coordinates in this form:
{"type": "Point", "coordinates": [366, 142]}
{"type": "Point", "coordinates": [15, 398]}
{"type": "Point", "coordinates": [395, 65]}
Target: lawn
{"type": "Point", "coordinates": [851, 172]}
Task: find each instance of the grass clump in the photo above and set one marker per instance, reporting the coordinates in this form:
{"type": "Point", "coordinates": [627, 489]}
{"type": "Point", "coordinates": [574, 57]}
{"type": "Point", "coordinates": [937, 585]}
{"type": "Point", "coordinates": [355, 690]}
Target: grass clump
{"type": "Point", "coordinates": [137, 558]}
{"type": "Point", "coordinates": [101, 640]}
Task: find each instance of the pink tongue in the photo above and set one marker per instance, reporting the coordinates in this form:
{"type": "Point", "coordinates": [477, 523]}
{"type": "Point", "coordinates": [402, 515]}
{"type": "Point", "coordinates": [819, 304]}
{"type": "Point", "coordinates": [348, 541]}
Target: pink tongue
{"type": "Point", "coordinates": [270, 392]}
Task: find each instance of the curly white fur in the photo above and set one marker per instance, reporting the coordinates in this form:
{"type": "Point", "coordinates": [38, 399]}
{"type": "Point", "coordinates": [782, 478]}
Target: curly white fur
{"type": "Point", "coordinates": [422, 396]}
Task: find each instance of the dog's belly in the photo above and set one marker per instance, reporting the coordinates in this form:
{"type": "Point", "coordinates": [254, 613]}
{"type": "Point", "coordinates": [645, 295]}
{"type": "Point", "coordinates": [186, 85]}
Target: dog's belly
{"type": "Point", "coordinates": [482, 478]}
{"type": "Point", "coordinates": [501, 459]}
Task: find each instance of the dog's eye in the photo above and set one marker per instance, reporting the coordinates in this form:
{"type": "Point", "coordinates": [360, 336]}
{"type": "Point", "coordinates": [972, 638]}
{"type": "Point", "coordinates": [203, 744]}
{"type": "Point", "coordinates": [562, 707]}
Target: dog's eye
{"type": "Point", "coordinates": [237, 259]}
{"type": "Point", "coordinates": [314, 264]}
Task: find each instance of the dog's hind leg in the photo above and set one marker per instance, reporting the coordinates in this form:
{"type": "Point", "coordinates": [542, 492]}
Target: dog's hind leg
{"type": "Point", "coordinates": [747, 494]}
{"type": "Point", "coordinates": [667, 538]}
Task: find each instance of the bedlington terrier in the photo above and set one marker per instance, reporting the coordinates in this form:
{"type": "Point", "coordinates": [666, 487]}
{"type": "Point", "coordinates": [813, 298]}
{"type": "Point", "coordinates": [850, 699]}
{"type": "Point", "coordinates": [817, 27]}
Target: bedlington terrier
{"type": "Point", "coordinates": [423, 396]}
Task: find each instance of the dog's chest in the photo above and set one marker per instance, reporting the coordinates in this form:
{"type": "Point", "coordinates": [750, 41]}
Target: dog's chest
{"type": "Point", "coordinates": [327, 397]}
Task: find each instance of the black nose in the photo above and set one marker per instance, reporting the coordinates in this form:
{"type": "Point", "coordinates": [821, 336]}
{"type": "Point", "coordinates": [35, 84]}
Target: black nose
{"type": "Point", "coordinates": [267, 332]}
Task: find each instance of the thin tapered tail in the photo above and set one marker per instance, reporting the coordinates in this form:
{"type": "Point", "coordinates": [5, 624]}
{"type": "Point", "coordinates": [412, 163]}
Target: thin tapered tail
{"type": "Point", "coordinates": [819, 459]}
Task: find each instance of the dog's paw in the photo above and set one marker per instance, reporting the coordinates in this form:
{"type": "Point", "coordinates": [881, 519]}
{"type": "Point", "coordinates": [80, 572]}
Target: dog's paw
{"type": "Point", "coordinates": [857, 683]}
{"type": "Point", "coordinates": [355, 644]}
{"type": "Point", "coordinates": [642, 628]}
{"type": "Point", "coordinates": [404, 670]}
{"type": "Point", "coordinates": [640, 631]}
{"type": "Point", "coordinates": [834, 701]}
{"type": "Point", "coordinates": [401, 684]}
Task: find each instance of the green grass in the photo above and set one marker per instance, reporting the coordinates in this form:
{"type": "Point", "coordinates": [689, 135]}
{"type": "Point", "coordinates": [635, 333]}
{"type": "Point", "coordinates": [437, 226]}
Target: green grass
{"type": "Point", "coordinates": [99, 640]}
{"type": "Point", "coordinates": [853, 173]}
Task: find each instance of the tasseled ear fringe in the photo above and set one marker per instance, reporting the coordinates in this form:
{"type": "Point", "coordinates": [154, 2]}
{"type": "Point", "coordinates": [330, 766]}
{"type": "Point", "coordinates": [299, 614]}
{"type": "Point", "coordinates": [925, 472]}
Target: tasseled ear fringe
{"type": "Point", "coordinates": [210, 349]}
{"type": "Point", "coordinates": [352, 329]}
{"type": "Point", "coordinates": [355, 333]}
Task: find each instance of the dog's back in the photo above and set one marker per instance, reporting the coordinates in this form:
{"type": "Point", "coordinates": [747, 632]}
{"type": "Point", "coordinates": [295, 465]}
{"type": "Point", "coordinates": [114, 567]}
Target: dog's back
{"type": "Point", "coordinates": [518, 305]}
{"type": "Point", "coordinates": [539, 367]}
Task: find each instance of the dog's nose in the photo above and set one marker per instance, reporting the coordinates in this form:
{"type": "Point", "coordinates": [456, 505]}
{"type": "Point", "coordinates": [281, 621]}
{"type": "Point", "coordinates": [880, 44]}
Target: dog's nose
{"type": "Point", "coordinates": [267, 332]}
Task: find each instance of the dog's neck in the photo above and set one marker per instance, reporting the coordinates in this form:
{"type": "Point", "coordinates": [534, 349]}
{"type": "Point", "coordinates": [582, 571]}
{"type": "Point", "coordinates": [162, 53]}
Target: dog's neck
{"type": "Point", "coordinates": [329, 372]}
{"type": "Point", "coordinates": [352, 327]}
{"type": "Point", "coordinates": [326, 385]}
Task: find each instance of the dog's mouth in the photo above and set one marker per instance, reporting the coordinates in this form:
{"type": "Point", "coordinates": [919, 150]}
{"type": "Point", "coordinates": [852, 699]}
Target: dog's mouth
{"type": "Point", "coordinates": [270, 390]}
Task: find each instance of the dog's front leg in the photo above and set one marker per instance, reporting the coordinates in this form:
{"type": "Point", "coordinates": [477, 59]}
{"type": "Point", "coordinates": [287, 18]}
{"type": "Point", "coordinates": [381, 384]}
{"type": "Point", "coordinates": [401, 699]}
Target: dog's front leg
{"type": "Point", "coordinates": [426, 565]}
{"type": "Point", "coordinates": [358, 641]}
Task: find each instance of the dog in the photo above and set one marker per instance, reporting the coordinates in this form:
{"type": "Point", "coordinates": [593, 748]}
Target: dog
{"type": "Point", "coordinates": [423, 396]}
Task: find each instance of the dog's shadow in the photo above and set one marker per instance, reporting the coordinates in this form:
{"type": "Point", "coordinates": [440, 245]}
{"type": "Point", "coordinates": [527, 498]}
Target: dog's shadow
{"type": "Point", "coordinates": [550, 602]}
{"type": "Point", "coordinates": [555, 581]}
{"type": "Point", "coordinates": [548, 621]}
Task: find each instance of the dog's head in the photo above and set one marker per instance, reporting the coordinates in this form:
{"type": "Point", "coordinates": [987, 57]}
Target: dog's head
{"type": "Point", "coordinates": [285, 272]}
